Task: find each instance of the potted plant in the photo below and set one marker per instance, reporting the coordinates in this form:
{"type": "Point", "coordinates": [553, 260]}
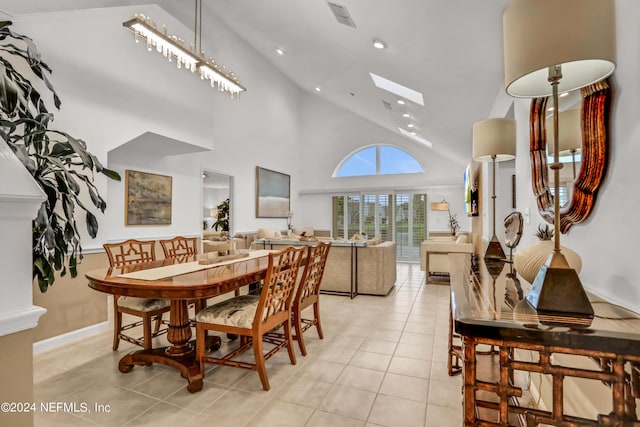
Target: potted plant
{"type": "Point", "coordinates": [58, 162]}
{"type": "Point", "coordinates": [222, 221]}
{"type": "Point", "coordinates": [453, 223]}
{"type": "Point", "coordinates": [529, 259]}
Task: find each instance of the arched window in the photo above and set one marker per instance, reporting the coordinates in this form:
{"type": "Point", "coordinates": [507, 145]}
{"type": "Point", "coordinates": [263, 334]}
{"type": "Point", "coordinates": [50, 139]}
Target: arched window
{"type": "Point", "coordinates": [378, 160]}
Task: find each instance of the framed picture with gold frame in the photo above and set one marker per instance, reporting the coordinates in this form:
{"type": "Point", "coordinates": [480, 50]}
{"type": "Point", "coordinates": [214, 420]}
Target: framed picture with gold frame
{"type": "Point", "coordinates": [147, 198]}
{"type": "Point", "coordinates": [273, 193]}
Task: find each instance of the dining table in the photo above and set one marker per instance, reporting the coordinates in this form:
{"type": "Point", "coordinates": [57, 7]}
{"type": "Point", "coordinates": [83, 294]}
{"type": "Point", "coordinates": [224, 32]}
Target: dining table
{"type": "Point", "coordinates": [179, 280]}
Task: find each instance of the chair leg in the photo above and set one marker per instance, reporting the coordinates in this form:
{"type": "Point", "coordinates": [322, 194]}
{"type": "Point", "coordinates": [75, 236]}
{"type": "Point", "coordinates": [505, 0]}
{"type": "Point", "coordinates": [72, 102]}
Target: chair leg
{"type": "Point", "coordinates": [297, 323]}
{"type": "Point", "coordinates": [260, 365]}
{"type": "Point", "coordinates": [158, 323]}
{"type": "Point", "coordinates": [117, 325]}
{"type": "Point", "coordinates": [200, 346]}
{"type": "Point", "coordinates": [316, 314]}
{"type": "Point", "coordinates": [146, 329]}
{"type": "Point", "coordinates": [289, 337]}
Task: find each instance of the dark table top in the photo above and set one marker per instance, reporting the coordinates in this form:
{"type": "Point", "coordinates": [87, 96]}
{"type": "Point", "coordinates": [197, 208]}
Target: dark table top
{"type": "Point", "coordinates": [488, 301]}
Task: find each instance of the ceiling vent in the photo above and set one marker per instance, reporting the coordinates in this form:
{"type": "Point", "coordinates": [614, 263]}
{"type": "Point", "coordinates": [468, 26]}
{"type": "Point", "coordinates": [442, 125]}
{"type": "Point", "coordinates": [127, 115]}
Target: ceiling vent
{"type": "Point", "coordinates": [342, 14]}
{"type": "Point", "coordinates": [387, 105]}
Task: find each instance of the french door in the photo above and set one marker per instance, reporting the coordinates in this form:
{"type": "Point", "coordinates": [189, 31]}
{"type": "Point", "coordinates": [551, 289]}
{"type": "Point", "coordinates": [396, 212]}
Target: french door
{"type": "Point", "coordinates": [401, 217]}
{"type": "Point", "coordinates": [410, 224]}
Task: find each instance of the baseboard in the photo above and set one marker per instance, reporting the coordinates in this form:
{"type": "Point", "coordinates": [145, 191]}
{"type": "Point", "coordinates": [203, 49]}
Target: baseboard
{"type": "Point", "coordinates": [70, 337]}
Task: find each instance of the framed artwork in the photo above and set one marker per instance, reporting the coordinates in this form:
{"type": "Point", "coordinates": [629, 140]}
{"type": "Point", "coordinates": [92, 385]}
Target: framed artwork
{"type": "Point", "coordinates": [273, 192]}
{"type": "Point", "coordinates": [148, 198]}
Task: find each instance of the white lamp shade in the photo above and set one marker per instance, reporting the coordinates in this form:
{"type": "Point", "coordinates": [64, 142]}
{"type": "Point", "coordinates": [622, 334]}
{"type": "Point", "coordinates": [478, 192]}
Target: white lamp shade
{"type": "Point", "coordinates": [579, 35]}
{"type": "Point", "coordinates": [569, 132]}
{"type": "Point", "coordinates": [494, 137]}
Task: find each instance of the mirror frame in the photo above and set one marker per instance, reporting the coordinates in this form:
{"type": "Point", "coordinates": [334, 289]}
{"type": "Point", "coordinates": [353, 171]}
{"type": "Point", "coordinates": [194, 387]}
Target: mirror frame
{"type": "Point", "coordinates": [596, 99]}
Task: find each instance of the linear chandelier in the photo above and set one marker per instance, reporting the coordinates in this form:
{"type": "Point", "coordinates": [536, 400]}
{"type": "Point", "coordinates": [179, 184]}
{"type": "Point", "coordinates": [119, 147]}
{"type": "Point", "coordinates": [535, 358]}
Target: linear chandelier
{"type": "Point", "coordinates": [172, 48]}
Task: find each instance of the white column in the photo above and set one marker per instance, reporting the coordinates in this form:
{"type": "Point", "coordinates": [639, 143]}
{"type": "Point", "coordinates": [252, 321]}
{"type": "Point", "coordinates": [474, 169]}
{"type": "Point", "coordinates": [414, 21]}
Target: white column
{"type": "Point", "coordinates": [20, 199]}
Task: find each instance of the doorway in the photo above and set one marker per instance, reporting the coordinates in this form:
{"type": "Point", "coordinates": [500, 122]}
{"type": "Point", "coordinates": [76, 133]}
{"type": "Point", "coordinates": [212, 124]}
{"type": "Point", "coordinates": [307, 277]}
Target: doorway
{"type": "Point", "coordinates": [216, 189]}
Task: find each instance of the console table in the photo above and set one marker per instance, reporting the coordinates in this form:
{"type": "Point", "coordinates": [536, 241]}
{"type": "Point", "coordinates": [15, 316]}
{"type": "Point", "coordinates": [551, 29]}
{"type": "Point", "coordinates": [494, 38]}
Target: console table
{"type": "Point", "coordinates": [488, 309]}
{"type": "Point", "coordinates": [353, 266]}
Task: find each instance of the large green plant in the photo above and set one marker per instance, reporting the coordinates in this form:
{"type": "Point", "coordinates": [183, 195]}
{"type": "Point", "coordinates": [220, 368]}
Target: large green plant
{"type": "Point", "coordinates": [222, 221]}
{"type": "Point", "coordinates": [59, 163]}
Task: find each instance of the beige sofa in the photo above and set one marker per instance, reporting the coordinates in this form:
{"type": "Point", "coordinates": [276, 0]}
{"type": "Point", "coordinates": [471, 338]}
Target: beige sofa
{"type": "Point", "coordinates": [275, 234]}
{"type": "Point", "coordinates": [434, 253]}
{"type": "Point", "coordinates": [376, 269]}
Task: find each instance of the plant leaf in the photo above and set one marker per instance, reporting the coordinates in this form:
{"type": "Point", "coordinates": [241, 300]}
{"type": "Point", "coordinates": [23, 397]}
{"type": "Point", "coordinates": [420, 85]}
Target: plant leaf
{"type": "Point", "coordinates": [92, 225]}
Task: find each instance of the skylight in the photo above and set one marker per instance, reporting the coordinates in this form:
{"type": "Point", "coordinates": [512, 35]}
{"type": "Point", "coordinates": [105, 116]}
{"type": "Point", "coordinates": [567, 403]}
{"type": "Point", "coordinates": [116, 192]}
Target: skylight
{"type": "Point", "coordinates": [415, 137]}
{"type": "Point", "coordinates": [397, 88]}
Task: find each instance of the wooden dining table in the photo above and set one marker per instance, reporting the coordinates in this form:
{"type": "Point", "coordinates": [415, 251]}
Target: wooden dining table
{"type": "Point", "coordinates": [210, 281]}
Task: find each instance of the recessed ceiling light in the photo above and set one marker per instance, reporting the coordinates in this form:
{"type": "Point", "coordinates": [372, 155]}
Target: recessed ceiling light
{"type": "Point", "coordinates": [397, 89]}
{"type": "Point", "coordinates": [415, 137]}
{"type": "Point", "coordinates": [410, 125]}
{"type": "Point", "coordinates": [379, 44]}
{"type": "Point", "coordinates": [317, 88]}
{"type": "Point", "coordinates": [280, 51]}
{"type": "Point", "coordinates": [401, 102]}
{"type": "Point", "coordinates": [413, 133]}
{"type": "Point", "coordinates": [406, 115]}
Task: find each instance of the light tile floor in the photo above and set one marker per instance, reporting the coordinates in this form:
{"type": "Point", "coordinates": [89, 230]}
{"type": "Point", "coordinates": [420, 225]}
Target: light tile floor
{"type": "Point", "coordinates": [382, 363]}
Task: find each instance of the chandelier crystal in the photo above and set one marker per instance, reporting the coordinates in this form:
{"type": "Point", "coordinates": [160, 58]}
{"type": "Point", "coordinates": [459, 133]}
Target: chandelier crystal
{"type": "Point", "coordinates": [173, 48]}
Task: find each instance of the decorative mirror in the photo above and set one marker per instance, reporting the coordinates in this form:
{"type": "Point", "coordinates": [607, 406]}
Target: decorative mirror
{"type": "Point", "coordinates": [582, 193]}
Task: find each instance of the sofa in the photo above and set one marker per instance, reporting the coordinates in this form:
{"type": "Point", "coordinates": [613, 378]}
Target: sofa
{"type": "Point", "coordinates": [213, 240]}
{"type": "Point", "coordinates": [376, 269]}
{"type": "Point", "coordinates": [434, 253]}
{"type": "Point", "coordinates": [249, 237]}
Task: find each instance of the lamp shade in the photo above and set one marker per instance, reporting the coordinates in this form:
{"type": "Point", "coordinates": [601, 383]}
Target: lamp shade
{"type": "Point", "coordinates": [494, 137]}
{"type": "Point", "coordinates": [440, 206]}
{"type": "Point", "coordinates": [579, 35]}
{"type": "Point", "coordinates": [569, 132]}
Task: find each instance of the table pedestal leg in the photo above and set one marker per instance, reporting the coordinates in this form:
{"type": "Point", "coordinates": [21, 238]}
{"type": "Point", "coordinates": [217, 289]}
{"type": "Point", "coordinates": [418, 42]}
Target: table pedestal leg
{"type": "Point", "coordinates": [180, 354]}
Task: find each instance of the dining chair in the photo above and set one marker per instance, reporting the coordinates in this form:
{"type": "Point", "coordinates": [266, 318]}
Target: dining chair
{"type": "Point", "coordinates": [180, 248]}
{"type": "Point", "coordinates": [127, 253]}
{"type": "Point", "coordinates": [308, 293]}
{"type": "Point", "coordinates": [253, 316]}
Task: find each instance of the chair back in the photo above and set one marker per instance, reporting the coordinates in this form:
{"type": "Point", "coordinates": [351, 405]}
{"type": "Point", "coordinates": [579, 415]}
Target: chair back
{"type": "Point", "coordinates": [179, 247]}
{"type": "Point", "coordinates": [313, 271]}
{"type": "Point", "coordinates": [274, 306]}
{"type": "Point", "coordinates": [130, 252]}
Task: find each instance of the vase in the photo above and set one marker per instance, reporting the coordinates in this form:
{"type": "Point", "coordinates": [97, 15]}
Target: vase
{"type": "Point", "coordinates": [528, 260]}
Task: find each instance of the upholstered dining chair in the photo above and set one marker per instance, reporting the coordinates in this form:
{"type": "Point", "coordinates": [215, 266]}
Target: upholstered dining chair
{"type": "Point", "coordinates": [253, 316]}
{"type": "Point", "coordinates": [308, 293]}
{"type": "Point", "coordinates": [147, 309]}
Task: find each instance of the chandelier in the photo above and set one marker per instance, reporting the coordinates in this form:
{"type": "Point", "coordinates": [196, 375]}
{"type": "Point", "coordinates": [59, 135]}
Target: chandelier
{"type": "Point", "coordinates": [173, 48]}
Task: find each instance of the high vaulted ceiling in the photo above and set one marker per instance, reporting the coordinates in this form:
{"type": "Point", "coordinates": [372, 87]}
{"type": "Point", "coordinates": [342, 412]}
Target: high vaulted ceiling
{"type": "Point", "coordinates": [449, 50]}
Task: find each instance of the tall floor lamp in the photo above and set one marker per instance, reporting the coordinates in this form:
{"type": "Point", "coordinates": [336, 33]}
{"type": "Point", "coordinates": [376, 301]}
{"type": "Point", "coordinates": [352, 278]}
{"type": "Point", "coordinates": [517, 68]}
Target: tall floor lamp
{"type": "Point", "coordinates": [495, 140]}
{"type": "Point", "coordinates": [552, 46]}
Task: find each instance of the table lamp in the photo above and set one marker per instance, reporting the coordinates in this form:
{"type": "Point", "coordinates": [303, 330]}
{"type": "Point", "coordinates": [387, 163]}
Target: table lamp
{"type": "Point", "coordinates": [495, 140]}
{"type": "Point", "coordinates": [569, 135]}
{"type": "Point", "coordinates": [552, 46]}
